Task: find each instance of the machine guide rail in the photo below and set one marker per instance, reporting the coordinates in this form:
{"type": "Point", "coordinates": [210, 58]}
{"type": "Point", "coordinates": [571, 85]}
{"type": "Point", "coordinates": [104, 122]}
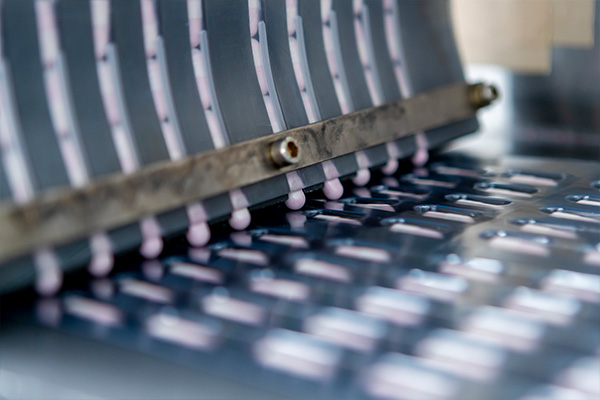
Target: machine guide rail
{"type": "Point", "coordinates": [62, 215]}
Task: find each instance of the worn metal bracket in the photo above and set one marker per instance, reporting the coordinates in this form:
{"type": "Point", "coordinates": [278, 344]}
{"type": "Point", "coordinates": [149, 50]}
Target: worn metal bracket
{"type": "Point", "coordinates": [62, 215]}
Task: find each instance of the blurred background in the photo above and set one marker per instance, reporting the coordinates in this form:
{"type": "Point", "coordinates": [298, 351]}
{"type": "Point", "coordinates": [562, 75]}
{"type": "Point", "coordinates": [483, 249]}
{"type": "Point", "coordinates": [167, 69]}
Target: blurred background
{"type": "Point", "coordinates": [544, 55]}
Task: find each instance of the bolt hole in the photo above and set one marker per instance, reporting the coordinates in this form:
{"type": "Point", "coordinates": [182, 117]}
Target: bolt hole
{"type": "Point", "coordinates": [292, 149]}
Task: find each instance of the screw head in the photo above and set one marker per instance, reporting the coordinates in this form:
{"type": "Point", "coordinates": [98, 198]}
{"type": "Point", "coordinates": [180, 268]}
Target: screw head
{"type": "Point", "coordinates": [285, 151]}
{"type": "Point", "coordinates": [483, 94]}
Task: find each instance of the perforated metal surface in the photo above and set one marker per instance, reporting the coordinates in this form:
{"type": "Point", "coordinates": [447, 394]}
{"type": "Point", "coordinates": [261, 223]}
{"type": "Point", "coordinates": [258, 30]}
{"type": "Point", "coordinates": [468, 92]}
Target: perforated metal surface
{"type": "Point", "coordinates": [462, 280]}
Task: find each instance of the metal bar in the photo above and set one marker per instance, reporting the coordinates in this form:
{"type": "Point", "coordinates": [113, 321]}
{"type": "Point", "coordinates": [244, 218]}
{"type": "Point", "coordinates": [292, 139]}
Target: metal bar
{"type": "Point", "coordinates": [62, 215]}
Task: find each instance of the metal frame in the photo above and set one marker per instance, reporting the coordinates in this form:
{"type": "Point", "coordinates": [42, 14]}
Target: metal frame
{"type": "Point", "coordinates": [62, 215]}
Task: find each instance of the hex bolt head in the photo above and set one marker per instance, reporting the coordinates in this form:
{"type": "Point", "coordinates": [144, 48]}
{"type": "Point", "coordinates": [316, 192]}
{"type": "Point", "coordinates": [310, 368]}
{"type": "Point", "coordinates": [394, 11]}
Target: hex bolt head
{"type": "Point", "coordinates": [482, 95]}
{"type": "Point", "coordinates": [285, 151]}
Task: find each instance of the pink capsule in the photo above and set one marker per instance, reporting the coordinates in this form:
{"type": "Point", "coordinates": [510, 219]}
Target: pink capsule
{"type": "Point", "coordinates": [194, 9]}
{"type": "Point", "coordinates": [152, 243]}
{"type": "Point", "coordinates": [240, 219]}
{"type": "Point", "coordinates": [150, 29]}
{"type": "Point", "coordinates": [362, 177]}
{"type": "Point", "coordinates": [73, 163]}
{"type": "Point", "coordinates": [215, 130]}
{"type": "Point", "coordinates": [196, 212]}
{"type": "Point", "coordinates": [101, 35]}
{"type": "Point", "coordinates": [195, 21]}
{"type": "Point", "coordinates": [127, 159]}
{"type": "Point", "coordinates": [295, 200]}
{"type": "Point", "coordinates": [49, 274]}
{"type": "Point", "coordinates": [48, 284]}
{"type": "Point", "coordinates": [199, 231]}
{"type": "Point", "coordinates": [151, 247]}
{"type": "Point", "coordinates": [310, 112]}
{"type": "Point", "coordinates": [422, 154]}
{"type": "Point", "coordinates": [357, 7]}
{"type": "Point", "coordinates": [362, 160]}
{"type": "Point", "coordinates": [59, 114]}
{"type": "Point", "coordinates": [291, 7]}
{"type": "Point", "coordinates": [238, 199]}
{"type": "Point", "coordinates": [203, 88]}
{"type": "Point", "coordinates": [294, 181]}
{"type": "Point", "coordinates": [259, 67]}
{"type": "Point", "coordinates": [330, 54]}
{"type": "Point", "coordinates": [330, 170]}
{"type": "Point", "coordinates": [393, 150]}
{"type": "Point", "coordinates": [174, 146]}
{"type": "Point", "coordinates": [325, 10]}
{"type": "Point", "coordinates": [101, 26]}
{"type": "Point", "coordinates": [275, 126]}
{"type": "Point", "coordinates": [101, 263]}
{"type": "Point", "coordinates": [390, 168]}
{"type": "Point", "coordinates": [254, 11]}
{"type": "Point", "coordinates": [107, 89]}
{"type": "Point", "coordinates": [195, 29]}
{"type": "Point", "coordinates": [198, 234]}
{"type": "Point", "coordinates": [158, 95]}
{"type": "Point", "coordinates": [47, 31]}
{"type": "Point", "coordinates": [333, 189]}
{"type": "Point", "coordinates": [295, 53]}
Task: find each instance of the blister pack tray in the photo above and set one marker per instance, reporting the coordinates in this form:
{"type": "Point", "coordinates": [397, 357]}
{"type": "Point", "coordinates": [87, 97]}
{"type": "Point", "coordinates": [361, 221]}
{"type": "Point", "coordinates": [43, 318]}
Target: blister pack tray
{"type": "Point", "coordinates": [465, 279]}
